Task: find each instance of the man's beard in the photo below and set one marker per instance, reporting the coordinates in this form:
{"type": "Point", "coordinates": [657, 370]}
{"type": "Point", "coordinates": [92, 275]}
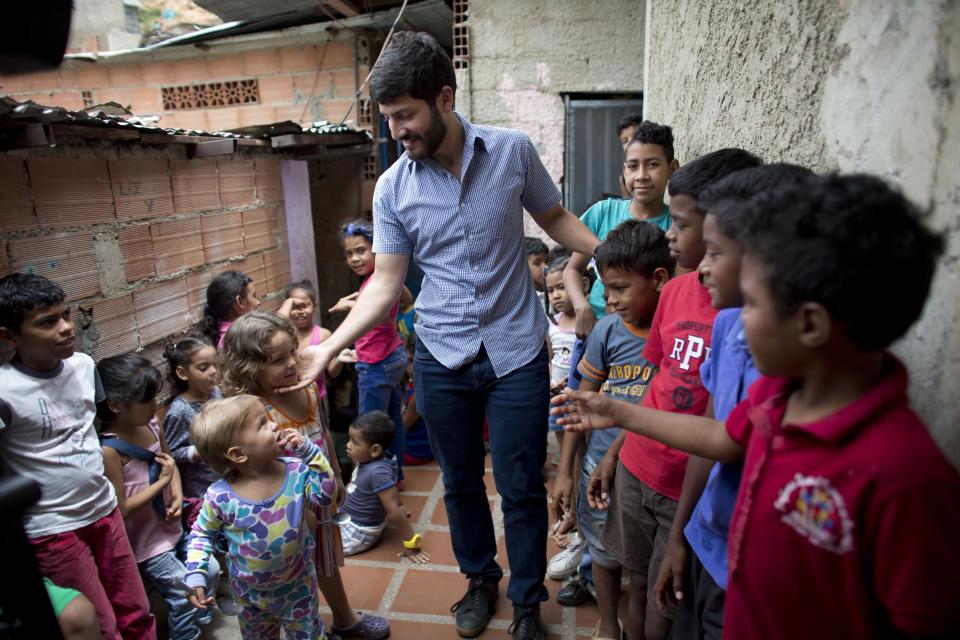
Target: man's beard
{"type": "Point", "coordinates": [432, 138]}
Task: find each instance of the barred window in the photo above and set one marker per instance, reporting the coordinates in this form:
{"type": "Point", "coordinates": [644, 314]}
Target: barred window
{"type": "Point", "coordinates": [214, 94]}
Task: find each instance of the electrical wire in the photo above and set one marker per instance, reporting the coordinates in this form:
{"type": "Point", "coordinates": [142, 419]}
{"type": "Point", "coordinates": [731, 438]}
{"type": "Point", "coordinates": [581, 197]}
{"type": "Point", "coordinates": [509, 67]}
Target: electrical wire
{"type": "Point", "coordinates": [356, 96]}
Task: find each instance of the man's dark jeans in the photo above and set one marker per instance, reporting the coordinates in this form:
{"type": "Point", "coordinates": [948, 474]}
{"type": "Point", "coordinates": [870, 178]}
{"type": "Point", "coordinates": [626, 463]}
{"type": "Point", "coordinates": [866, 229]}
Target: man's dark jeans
{"type": "Point", "coordinates": [454, 403]}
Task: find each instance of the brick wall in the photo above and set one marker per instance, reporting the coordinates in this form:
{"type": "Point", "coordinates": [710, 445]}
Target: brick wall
{"type": "Point", "coordinates": [302, 84]}
{"type": "Point", "coordinates": [134, 241]}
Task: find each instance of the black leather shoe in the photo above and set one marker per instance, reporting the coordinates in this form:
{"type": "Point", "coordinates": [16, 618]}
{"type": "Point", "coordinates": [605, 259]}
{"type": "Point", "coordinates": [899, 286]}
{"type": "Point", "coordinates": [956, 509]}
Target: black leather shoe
{"type": "Point", "coordinates": [574, 593]}
{"type": "Point", "coordinates": [526, 624]}
{"type": "Point", "coordinates": [475, 608]}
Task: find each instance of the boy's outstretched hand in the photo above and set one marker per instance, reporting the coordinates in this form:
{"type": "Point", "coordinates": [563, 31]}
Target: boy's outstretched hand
{"type": "Point", "coordinates": [199, 599]}
{"type": "Point", "coordinates": [416, 556]}
{"type": "Point", "coordinates": [582, 410]}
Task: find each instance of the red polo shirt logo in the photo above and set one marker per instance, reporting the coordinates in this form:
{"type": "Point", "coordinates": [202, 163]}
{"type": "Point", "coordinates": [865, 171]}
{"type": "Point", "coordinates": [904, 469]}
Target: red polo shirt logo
{"type": "Point", "coordinates": [816, 511]}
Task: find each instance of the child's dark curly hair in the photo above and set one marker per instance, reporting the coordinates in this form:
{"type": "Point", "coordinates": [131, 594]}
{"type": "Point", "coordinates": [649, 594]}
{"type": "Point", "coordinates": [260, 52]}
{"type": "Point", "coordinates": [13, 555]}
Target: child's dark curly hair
{"type": "Point", "coordinates": [853, 244]}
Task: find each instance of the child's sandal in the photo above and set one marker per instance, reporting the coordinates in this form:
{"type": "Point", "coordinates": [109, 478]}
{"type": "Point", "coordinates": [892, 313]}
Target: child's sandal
{"type": "Point", "coordinates": [367, 627]}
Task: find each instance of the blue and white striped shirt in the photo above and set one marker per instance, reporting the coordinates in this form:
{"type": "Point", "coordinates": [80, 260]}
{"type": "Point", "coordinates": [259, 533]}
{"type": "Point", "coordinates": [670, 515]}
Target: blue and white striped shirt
{"type": "Point", "coordinates": [467, 236]}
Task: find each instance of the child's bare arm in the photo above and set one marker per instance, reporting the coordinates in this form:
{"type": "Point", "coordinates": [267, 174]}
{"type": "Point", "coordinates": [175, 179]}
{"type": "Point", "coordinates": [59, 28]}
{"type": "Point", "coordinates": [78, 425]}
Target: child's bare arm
{"type": "Point", "coordinates": [410, 414]}
{"type": "Point", "coordinates": [390, 499]}
{"type": "Point", "coordinates": [175, 504]}
{"type": "Point", "coordinates": [113, 469]}
{"type": "Point", "coordinates": [573, 284]}
{"type": "Point", "coordinates": [697, 435]}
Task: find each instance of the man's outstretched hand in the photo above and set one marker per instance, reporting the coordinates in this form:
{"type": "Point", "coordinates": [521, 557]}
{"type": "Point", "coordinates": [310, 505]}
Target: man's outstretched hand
{"type": "Point", "coordinates": [582, 410]}
{"type": "Point", "coordinates": [313, 362]}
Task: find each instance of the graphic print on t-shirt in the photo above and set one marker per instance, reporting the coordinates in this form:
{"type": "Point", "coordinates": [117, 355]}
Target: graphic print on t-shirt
{"type": "Point", "coordinates": [816, 510]}
{"type": "Point", "coordinates": [687, 351]}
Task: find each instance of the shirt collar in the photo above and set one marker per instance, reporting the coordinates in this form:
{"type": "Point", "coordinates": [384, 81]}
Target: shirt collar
{"type": "Point", "coordinates": [889, 393]}
{"type": "Point", "coordinates": [471, 136]}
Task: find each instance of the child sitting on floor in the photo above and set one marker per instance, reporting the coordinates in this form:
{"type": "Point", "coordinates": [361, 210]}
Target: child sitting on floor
{"type": "Point", "coordinates": [846, 518]}
{"type": "Point", "coordinates": [259, 509]}
{"type": "Point", "coordinates": [48, 396]}
{"type": "Point", "coordinates": [145, 478]}
{"type": "Point", "coordinates": [372, 496]}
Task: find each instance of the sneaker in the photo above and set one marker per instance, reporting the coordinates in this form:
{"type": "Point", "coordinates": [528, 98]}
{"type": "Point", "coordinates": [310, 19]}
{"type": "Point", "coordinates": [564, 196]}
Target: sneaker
{"type": "Point", "coordinates": [476, 607]}
{"type": "Point", "coordinates": [575, 592]}
{"type": "Point", "coordinates": [526, 624]}
{"type": "Point", "coordinates": [565, 563]}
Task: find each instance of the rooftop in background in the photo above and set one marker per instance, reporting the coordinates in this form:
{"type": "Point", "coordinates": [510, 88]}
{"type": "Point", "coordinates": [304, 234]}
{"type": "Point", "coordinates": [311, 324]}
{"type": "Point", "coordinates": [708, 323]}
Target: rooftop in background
{"type": "Point", "coordinates": [300, 21]}
{"type": "Point", "coordinates": [28, 124]}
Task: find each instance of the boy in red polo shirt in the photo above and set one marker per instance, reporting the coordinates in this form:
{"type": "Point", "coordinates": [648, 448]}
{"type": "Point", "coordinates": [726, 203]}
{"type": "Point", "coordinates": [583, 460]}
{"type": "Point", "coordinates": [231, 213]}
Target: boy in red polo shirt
{"type": "Point", "coordinates": [846, 520]}
{"type": "Point", "coordinates": [647, 479]}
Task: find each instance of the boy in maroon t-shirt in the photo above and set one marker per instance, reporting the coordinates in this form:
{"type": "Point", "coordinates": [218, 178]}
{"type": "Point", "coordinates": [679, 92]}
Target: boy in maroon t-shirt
{"type": "Point", "coordinates": [845, 523]}
{"type": "Point", "coordinates": [646, 480]}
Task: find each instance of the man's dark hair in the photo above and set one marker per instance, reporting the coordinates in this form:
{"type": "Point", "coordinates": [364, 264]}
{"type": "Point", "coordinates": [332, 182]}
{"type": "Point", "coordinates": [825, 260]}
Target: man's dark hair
{"type": "Point", "coordinates": [853, 244]}
{"type": "Point", "coordinates": [726, 198]}
{"type": "Point", "coordinates": [635, 245]}
{"type": "Point", "coordinates": [693, 178]}
{"type": "Point", "coordinates": [654, 133]}
{"type": "Point", "coordinates": [376, 427]}
{"type": "Point", "coordinates": [21, 293]}
{"type": "Point", "coordinates": [413, 64]}
{"type": "Point", "coordinates": [126, 379]}
{"type": "Point", "coordinates": [632, 120]}
{"type": "Point", "coordinates": [535, 246]}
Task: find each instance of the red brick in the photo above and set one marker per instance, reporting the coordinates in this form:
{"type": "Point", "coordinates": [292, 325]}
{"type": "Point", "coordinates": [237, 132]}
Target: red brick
{"type": "Point", "coordinates": [253, 267]}
{"type": "Point", "coordinates": [223, 118]}
{"type": "Point", "coordinates": [276, 89]}
{"type": "Point", "coordinates": [14, 84]}
{"type": "Point", "coordinates": [156, 73]}
{"type": "Point", "coordinates": [195, 185]}
{"type": "Point", "coordinates": [237, 182]}
{"type": "Point", "coordinates": [162, 310]}
{"type": "Point", "coordinates": [259, 229]}
{"type": "Point", "coordinates": [16, 202]}
{"type": "Point", "coordinates": [276, 269]}
{"type": "Point", "coordinates": [45, 80]}
{"type": "Point", "coordinates": [343, 82]}
{"type": "Point", "coordinates": [146, 100]}
{"type": "Point", "coordinates": [124, 75]}
{"type": "Point", "coordinates": [257, 115]}
{"type": "Point", "coordinates": [116, 326]}
{"type": "Point", "coordinates": [69, 79]}
{"type": "Point", "coordinates": [269, 184]}
{"type": "Point", "coordinates": [68, 260]}
{"type": "Point", "coordinates": [137, 250]}
{"type": "Point", "coordinates": [189, 70]}
{"type": "Point", "coordinates": [334, 110]}
{"type": "Point", "coordinates": [141, 188]}
{"type": "Point", "coordinates": [332, 55]}
{"type": "Point", "coordinates": [224, 67]}
{"type": "Point", "coordinates": [177, 245]}
{"type": "Point", "coordinates": [260, 62]}
{"type": "Point", "coordinates": [193, 119]}
{"type": "Point", "coordinates": [222, 236]}
{"type": "Point", "coordinates": [71, 100]}
{"type": "Point", "coordinates": [197, 283]}
{"type": "Point", "coordinates": [121, 95]}
{"type": "Point", "coordinates": [71, 192]}
{"type": "Point", "coordinates": [91, 75]}
{"type": "Point", "coordinates": [298, 58]}
{"type": "Point", "coordinates": [293, 113]}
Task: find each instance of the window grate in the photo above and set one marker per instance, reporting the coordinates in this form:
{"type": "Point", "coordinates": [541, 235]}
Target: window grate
{"type": "Point", "coordinates": [214, 94]}
{"type": "Point", "coordinates": [370, 168]}
{"type": "Point", "coordinates": [461, 34]}
{"type": "Point", "coordinates": [87, 97]}
{"type": "Point", "coordinates": [365, 115]}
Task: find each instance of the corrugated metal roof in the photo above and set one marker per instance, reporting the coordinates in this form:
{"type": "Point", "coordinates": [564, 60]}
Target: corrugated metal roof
{"type": "Point", "coordinates": [115, 118]}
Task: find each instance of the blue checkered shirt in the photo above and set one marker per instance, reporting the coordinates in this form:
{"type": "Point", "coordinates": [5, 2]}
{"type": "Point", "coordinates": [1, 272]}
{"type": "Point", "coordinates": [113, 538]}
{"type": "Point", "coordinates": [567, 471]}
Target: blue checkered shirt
{"type": "Point", "coordinates": [467, 236]}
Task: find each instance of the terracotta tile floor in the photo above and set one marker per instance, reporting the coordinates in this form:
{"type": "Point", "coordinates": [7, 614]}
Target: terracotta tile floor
{"type": "Point", "coordinates": [417, 599]}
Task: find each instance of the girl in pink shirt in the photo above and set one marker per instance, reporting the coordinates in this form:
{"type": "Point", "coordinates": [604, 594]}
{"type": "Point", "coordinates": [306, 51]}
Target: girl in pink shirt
{"type": "Point", "coordinates": [381, 357]}
{"type": "Point", "coordinates": [136, 460]}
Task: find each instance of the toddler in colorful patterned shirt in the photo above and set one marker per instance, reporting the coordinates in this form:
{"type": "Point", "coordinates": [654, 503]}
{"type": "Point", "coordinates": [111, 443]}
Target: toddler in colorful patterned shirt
{"type": "Point", "coordinates": [258, 508]}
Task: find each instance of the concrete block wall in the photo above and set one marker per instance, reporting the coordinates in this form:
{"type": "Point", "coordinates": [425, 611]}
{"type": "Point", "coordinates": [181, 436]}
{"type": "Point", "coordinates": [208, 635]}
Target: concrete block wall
{"type": "Point", "coordinates": [135, 238]}
{"type": "Point", "coordinates": [299, 83]}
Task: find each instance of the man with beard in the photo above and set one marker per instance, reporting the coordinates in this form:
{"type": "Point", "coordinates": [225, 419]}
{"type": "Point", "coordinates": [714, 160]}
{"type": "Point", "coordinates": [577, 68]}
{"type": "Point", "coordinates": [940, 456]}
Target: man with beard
{"type": "Point", "coordinates": [454, 203]}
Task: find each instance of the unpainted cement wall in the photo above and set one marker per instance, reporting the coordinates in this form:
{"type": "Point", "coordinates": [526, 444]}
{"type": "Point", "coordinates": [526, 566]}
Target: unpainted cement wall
{"type": "Point", "coordinates": [863, 85]}
{"type": "Point", "coordinates": [524, 55]}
